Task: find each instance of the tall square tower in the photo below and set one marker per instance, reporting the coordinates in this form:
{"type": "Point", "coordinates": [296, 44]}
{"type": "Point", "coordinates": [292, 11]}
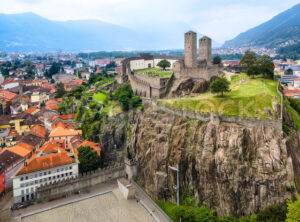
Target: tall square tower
{"type": "Point", "coordinates": [190, 49]}
{"type": "Point", "coordinates": [205, 49]}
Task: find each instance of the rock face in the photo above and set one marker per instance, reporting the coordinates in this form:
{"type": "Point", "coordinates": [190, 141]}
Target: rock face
{"type": "Point", "coordinates": [227, 167]}
{"type": "Point", "coordinates": [188, 86]}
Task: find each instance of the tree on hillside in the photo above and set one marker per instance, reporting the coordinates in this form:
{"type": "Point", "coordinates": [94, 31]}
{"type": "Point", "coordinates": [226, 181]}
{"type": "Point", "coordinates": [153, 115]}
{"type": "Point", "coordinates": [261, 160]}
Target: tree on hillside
{"type": "Point", "coordinates": [126, 98]}
{"type": "Point", "coordinates": [164, 64]}
{"type": "Point", "coordinates": [253, 70]}
{"type": "Point", "coordinates": [248, 59]}
{"type": "Point", "coordinates": [266, 66]}
{"type": "Point", "coordinates": [60, 90]}
{"type": "Point", "coordinates": [217, 60]}
{"type": "Point", "coordinates": [220, 85]}
{"type": "Point", "coordinates": [289, 72]}
{"type": "Point", "coordinates": [88, 158]}
{"type": "Point", "coordinates": [55, 68]}
{"type": "Point", "coordinates": [293, 214]}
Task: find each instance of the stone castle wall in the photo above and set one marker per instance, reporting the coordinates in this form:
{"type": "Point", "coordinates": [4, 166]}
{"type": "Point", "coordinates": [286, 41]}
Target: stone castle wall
{"type": "Point", "coordinates": [201, 72]}
{"type": "Point", "coordinates": [206, 117]}
{"type": "Point", "coordinates": [69, 186]}
{"type": "Point", "coordinates": [149, 87]}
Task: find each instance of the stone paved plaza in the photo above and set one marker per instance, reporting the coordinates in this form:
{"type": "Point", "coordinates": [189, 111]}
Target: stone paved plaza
{"type": "Point", "coordinates": [110, 207]}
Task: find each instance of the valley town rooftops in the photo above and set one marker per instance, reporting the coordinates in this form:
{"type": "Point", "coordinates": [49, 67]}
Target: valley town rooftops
{"type": "Point", "coordinates": [8, 158]}
{"type": "Point", "coordinates": [37, 163]}
{"type": "Point", "coordinates": [21, 149]}
{"type": "Point", "coordinates": [59, 131]}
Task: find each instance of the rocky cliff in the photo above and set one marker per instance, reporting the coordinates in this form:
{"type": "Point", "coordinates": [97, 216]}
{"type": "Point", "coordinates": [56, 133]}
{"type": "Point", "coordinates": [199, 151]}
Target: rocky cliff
{"type": "Point", "coordinates": [227, 167]}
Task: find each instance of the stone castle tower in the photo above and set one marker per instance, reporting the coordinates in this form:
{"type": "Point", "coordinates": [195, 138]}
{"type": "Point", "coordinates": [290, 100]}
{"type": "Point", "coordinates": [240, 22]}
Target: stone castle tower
{"type": "Point", "coordinates": [205, 49]}
{"type": "Point", "coordinates": [190, 49]}
{"type": "Point", "coordinates": [192, 67]}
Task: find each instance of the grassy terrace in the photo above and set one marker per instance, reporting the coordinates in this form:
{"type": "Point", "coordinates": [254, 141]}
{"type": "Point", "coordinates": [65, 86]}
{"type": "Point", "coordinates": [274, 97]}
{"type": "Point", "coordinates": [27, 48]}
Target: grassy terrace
{"type": "Point", "coordinates": [155, 72]}
{"type": "Point", "coordinates": [105, 82]}
{"type": "Point", "coordinates": [248, 97]}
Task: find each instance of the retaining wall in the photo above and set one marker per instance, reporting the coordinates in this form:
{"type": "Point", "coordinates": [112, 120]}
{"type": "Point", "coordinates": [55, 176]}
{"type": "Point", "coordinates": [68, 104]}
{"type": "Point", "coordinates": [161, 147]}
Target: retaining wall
{"type": "Point", "coordinates": [206, 117]}
{"type": "Point", "coordinates": [69, 186]}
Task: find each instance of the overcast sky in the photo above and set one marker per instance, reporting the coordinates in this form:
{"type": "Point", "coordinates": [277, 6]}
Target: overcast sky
{"type": "Point", "coordinates": [219, 19]}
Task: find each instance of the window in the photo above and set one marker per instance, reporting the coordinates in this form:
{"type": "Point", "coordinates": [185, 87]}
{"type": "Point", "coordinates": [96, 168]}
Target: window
{"type": "Point", "coordinates": [45, 179]}
{"type": "Point", "coordinates": [70, 167]}
{"type": "Point", "coordinates": [41, 174]}
{"type": "Point", "coordinates": [62, 169]}
{"type": "Point", "coordinates": [31, 183]}
{"type": "Point", "coordinates": [53, 177]}
{"type": "Point", "coordinates": [62, 175]}
{"type": "Point", "coordinates": [70, 173]}
{"type": "Point", "coordinates": [22, 184]}
{"type": "Point", "coordinates": [49, 178]}
{"type": "Point", "coordinates": [26, 178]}
{"type": "Point", "coordinates": [66, 168]}
{"type": "Point", "coordinates": [22, 192]}
{"type": "Point", "coordinates": [22, 178]}
{"type": "Point", "coordinates": [49, 172]}
{"type": "Point", "coordinates": [57, 170]}
{"type": "Point", "coordinates": [45, 173]}
{"type": "Point", "coordinates": [58, 176]}
{"type": "Point", "coordinates": [67, 174]}
{"type": "Point", "coordinates": [36, 175]}
{"type": "Point", "coordinates": [41, 180]}
{"type": "Point", "coordinates": [36, 181]}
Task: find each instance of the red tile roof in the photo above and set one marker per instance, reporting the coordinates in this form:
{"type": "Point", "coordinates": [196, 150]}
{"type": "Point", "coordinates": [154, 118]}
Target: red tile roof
{"type": "Point", "coordinates": [7, 95]}
{"type": "Point", "coordinates": [63, 125]}
{"type": "Point", "coordinates": [59, 131]}
{"type": "Point", "coordinates": [37, 163]}
{"type": "Point", "coordinates": [31, 110]}
{"type": "Point", "coordinates": [39, 131]}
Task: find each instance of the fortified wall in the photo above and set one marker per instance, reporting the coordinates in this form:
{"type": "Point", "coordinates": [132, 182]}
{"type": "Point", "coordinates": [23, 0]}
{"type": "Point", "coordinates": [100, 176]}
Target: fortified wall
{"type": "Point", "coordinates": [217, 118]}
{"type": "Point", "coordinates": [67, 187]}
{"type": "Point", "coordinates": [144, 85]}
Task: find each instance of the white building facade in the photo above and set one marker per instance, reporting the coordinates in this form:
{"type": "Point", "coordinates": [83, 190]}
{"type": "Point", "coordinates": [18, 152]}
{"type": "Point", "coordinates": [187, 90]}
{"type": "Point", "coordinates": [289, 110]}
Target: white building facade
{"type": "Point", "coordinates": [25, 185]}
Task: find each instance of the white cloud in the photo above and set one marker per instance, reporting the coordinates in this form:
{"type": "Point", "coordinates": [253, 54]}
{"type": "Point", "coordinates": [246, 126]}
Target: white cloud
{"type": "Point", "coordinates": [220, 19]}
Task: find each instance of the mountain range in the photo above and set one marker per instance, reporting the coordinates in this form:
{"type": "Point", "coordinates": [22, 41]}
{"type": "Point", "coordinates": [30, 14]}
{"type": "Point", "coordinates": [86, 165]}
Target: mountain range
{"type": "Point", "coordinates": [280, 31]}
{"type": "Point", "coordinates": [31, 32]}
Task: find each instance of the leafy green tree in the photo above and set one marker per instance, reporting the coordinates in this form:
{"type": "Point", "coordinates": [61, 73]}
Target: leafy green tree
{"type": "Point", "coordinates": [253, 70]}
{"type": "Point", "coordinates": [111, 65]}
{"type": "Point", "coordinates": [217, 60]}
{"type": "Point", "coordinates": [248, 59]}
{"type": "Point", "coordinates": [60, 90]}
{"type": "Point", "coordinates": [220, 85]}
{"type": "Point", "coordinates": [164, 64]}
{"type": "Point", "coordinates": [126, 98]}
{"type": "Point", "coordinates": [265, 66]}
{"type": "Point", "coordinates": [88, 158]}
{"type": "Point", "coordinates": [55, 68]}
{"type": "Point", "coordinates": [293, 214]}
{"type": "Point", "coordinates": [289, 72]}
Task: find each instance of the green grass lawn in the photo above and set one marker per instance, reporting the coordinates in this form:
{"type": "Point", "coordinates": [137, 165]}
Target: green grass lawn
{"type": "Point", "coordinates": [156, 72]}
{"type": "Point", "coordinates": [248, 97]}
{"type": "Point", "coordinates": [99, 97]}
{"type": "Point", "coordinates": [294, 114]}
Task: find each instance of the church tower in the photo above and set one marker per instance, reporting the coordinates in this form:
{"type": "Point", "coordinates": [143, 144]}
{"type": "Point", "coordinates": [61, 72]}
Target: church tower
{"type": "Point", "coordinates": [190, 49]}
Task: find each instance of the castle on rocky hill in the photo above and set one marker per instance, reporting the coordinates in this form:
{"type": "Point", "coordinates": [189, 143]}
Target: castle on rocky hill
{"type": "Point", "coordinates": [188, 66]}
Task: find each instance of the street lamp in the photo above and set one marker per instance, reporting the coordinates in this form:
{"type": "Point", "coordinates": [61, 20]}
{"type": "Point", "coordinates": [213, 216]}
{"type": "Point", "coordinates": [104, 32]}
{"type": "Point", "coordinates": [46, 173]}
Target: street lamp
{"type": "Point", "coordinates": [176, 187]}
